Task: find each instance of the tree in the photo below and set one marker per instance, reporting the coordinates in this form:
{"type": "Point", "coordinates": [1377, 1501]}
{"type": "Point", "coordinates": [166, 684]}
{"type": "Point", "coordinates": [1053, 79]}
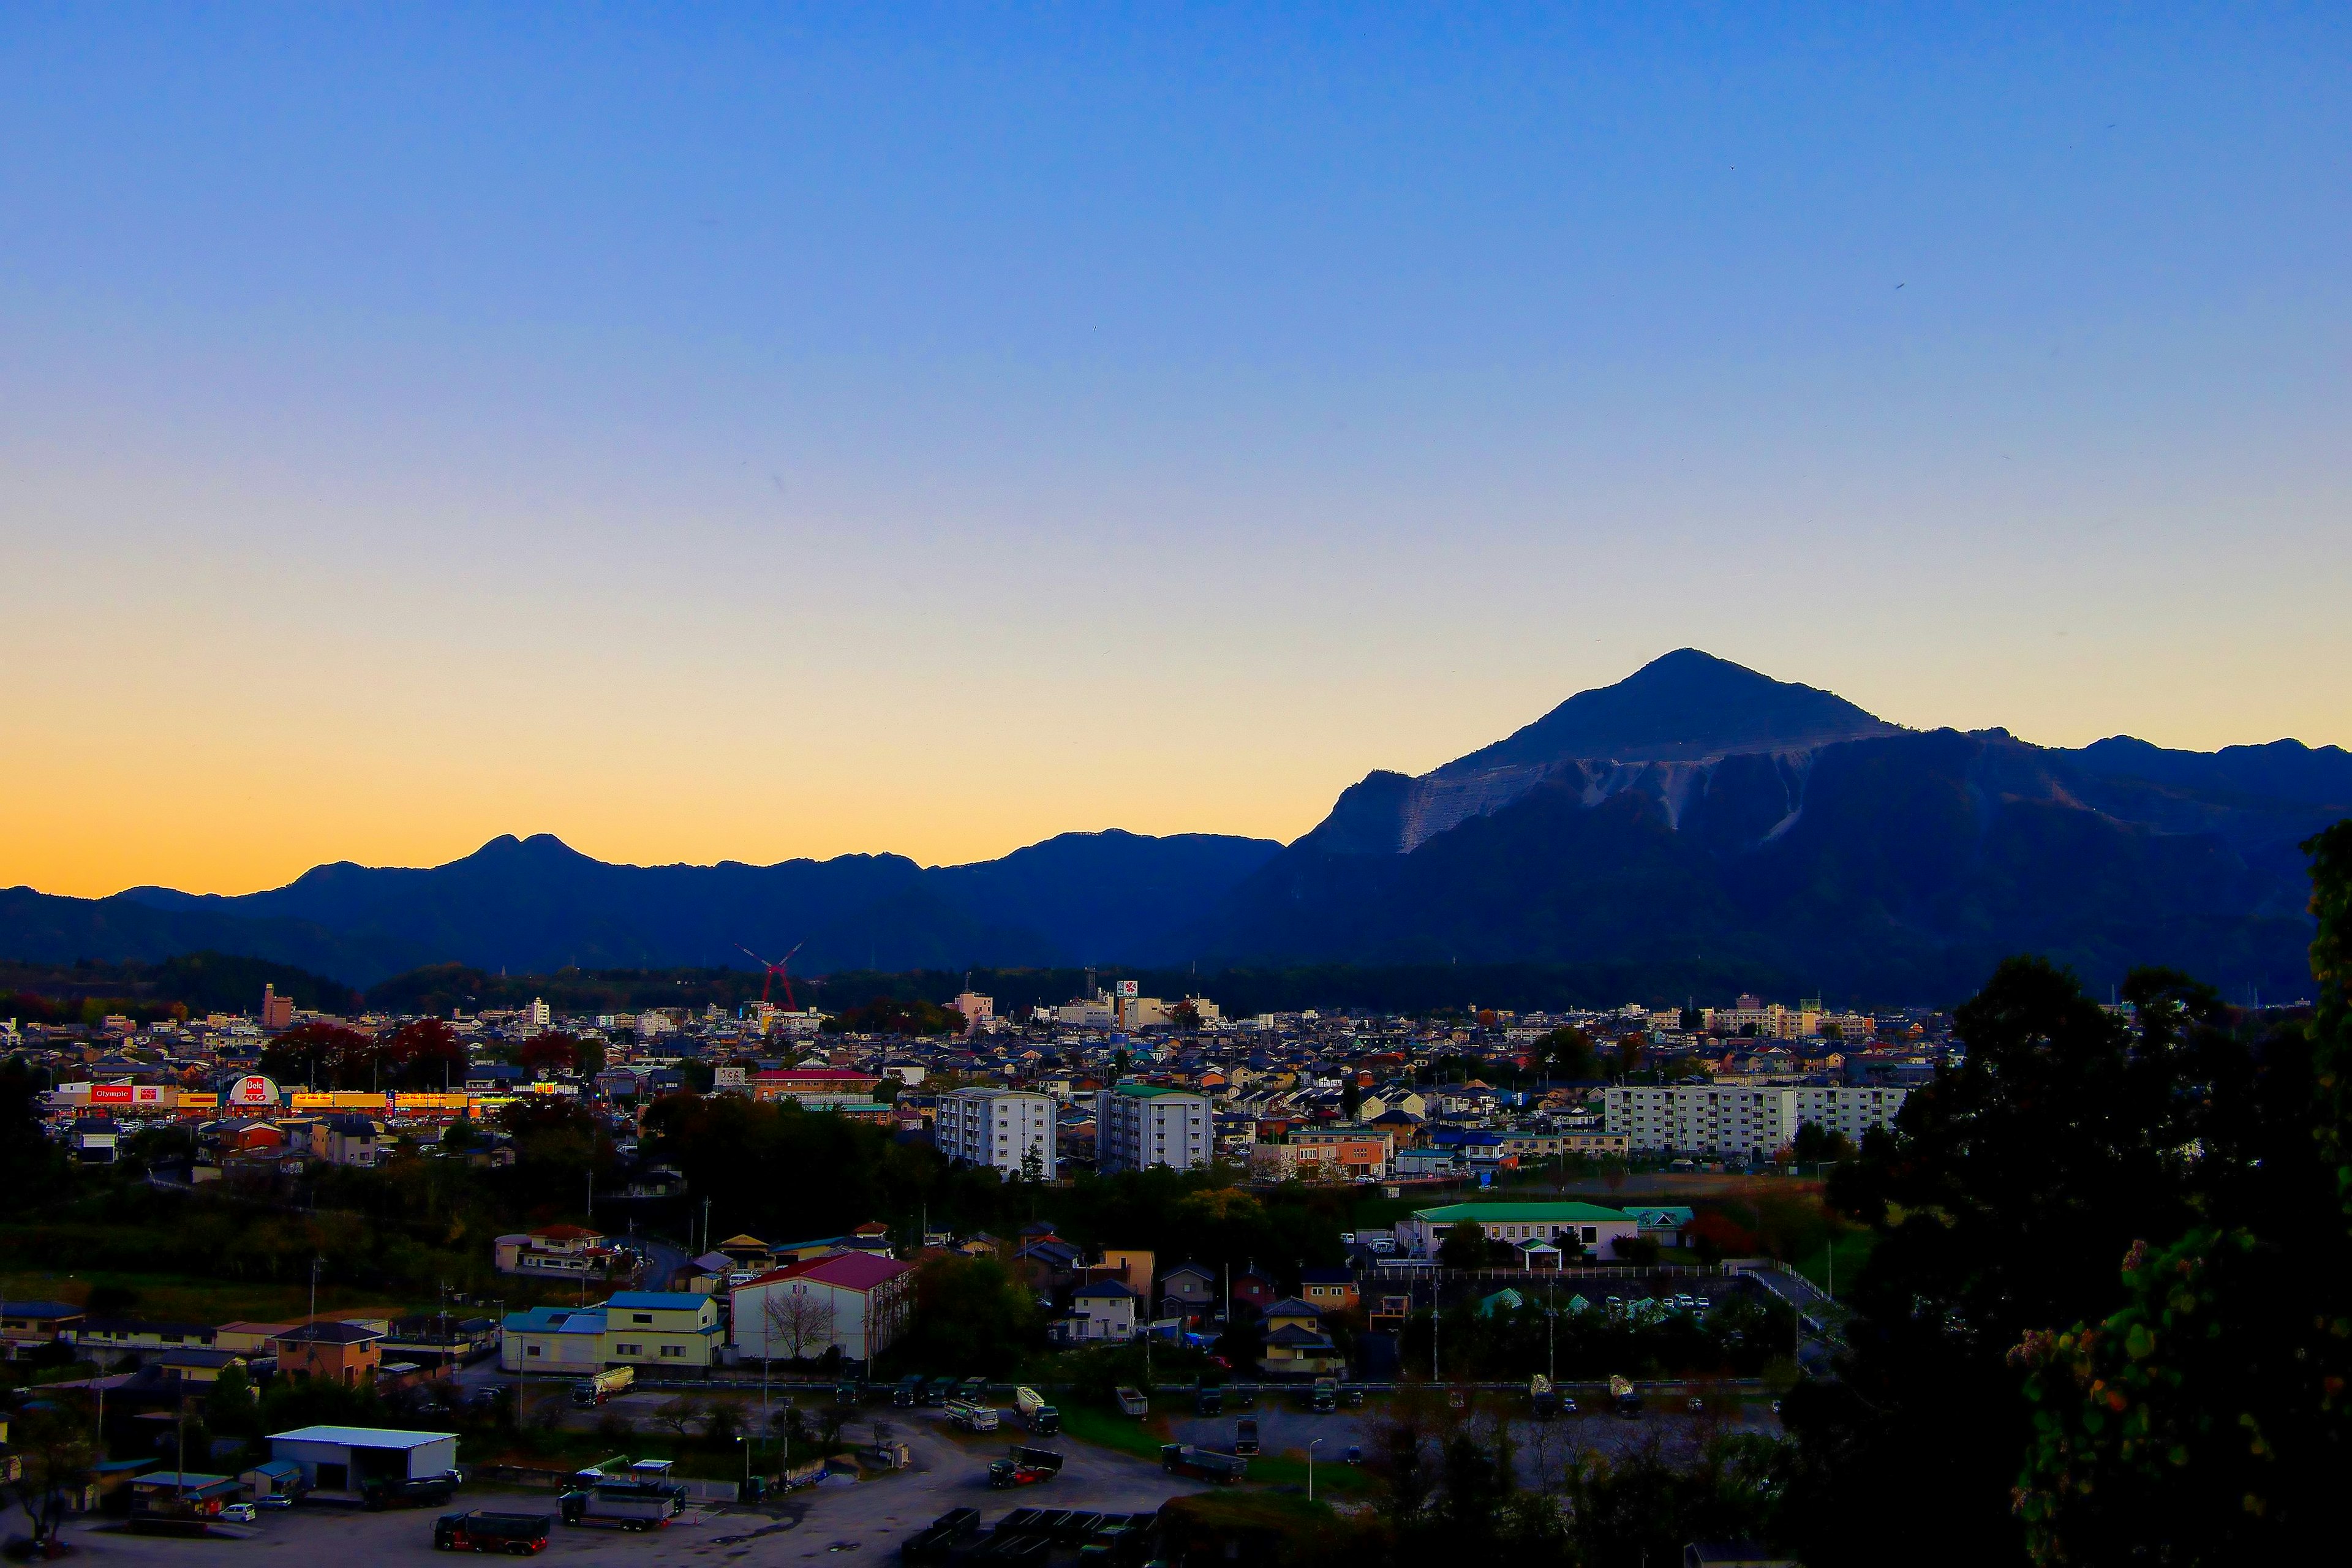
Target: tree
{"type": "Point", "coordinates": [1629, 1054]}
{"type": "Point", "coordinates": [1351, 1098]}
{"type": "Point", "coordinates": [1465, 1246]}
{"type": "Point", "coordinates": [1567, 1053]}
{"type": "Point", "coordinates": [798, 1318]}
{"type": "Point", "coordinates": [2203, 1420]}
{"type": "Point", "coordinates": [2001, 1201]}
{"type": "Point", "coordinates": [1815, 1144]}
{"type": "Point", "coordinates": [555, 1052]}
{"type": "Point", "coordinates": [1185, 1015]}
{"type": "Point", "coordinates": [50, 1441]}
{"type": "Point", "coordinates": [679, 1414]}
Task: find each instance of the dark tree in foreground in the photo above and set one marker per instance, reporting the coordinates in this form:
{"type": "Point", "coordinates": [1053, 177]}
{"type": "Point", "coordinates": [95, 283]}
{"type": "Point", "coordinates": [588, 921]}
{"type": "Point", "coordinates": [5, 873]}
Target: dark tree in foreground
{"type": "Point", "coordinates": [2001, 1204]}
{"type": "Point", "coordinates": [2202, 1422]}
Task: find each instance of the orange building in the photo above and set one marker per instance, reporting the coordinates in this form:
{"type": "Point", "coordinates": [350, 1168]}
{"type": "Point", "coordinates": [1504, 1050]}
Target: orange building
{"type": "Point", "coordinates": [347, 1354]}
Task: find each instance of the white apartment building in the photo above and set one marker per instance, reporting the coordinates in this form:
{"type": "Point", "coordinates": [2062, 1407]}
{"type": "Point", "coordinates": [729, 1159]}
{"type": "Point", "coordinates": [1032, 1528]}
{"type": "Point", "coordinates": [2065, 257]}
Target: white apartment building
{"type": "Point", "coordinates": [1139, 1124]}
{"type": "Point", "coordinates": [1848, 1109]}
{"type": "Point", "coordinates": [1735, 1119]}
{"type": "Point", "coordinates": [999, 1128]}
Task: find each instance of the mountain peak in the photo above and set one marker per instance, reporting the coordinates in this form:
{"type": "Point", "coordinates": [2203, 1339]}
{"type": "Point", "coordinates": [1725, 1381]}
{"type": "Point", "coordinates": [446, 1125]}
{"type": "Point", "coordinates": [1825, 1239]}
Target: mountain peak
{"type": "Point", "coordinates": [1685, 706]}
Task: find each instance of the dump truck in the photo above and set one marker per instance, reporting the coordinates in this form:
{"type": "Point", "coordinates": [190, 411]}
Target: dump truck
{"type": "Point", "coordinates": [594, 1391]}
{"type": "Point", "coordinates": [1325, 1395]}
{"type": "Point", "coordinates": [1540, 1396]}
{"type": "Point", "coordinates": [939, 1390]}
{"type": "Point", "coordinates": [965, 1415]}
{"type": "Point", "coordinates": [1201, 1464]}
{"type": "Point", "coordinates": [1132, 1401]}
{"type": "Point", "coordinates": [1041, 1419]}
{"type": "Point", "coordinates": [623, 1505]}
{"type": "Point", "coordinates": [1245, 1435]}
{"type": "Point", "coordinates": [413, 1491]}
{"type": "Point", "coordinates": [1622, 1396]}
{"type": "Point", "coordinates": [523, 1534]}
{"type": "Point", "coordinates": [949, 1533]}
{"type": "Point", "coordinates": [908, 1392]}
{"type": "Point", "coordinates": [1023, 1468]}
{"type": "Point", "coordinates": [1209, 1402]}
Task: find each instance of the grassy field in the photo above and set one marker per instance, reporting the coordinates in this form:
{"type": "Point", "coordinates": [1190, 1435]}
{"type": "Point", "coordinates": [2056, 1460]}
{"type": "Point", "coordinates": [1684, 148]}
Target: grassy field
{"type": "Point", "coordinates": [177, 1299]}
{"type": "Point", "coordinates": [1853, 1251]}
{"type": "Point", "coordinates": [1109, 1429]}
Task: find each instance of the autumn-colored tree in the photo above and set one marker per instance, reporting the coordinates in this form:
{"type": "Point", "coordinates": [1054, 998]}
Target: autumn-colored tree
{"type": "Point", "coordinates": [425, 1052]}
{"type": "Point", "coordinates": [555, 1052]}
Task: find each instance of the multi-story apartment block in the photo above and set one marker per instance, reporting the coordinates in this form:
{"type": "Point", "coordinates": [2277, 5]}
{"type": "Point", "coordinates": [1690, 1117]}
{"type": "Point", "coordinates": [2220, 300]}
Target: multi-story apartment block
{"type": "Point", "coordinates": [1851, 1109]}
{"type": "Point", "coordinates": [1140, 1124]}
{"type": "Point", "coordinates": [1739, 1120]}
{"type": "Point", "coordinates": [1006, 1130]}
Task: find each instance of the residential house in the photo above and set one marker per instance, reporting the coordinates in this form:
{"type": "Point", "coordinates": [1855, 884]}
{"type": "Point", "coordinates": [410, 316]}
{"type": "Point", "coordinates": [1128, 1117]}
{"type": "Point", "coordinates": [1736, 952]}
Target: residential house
{"type": "Point", "coordinates": [660, 1329]}
{"type": "Point", "coordinates": [350, 1140]}
{"type": "Point", "coordinates": [120, 1336]}
{"type": "Point", "coordinates": [247, 1339]}
{"type": "Point", "coordinates": [345, 1354]}
{"type": "Point", "coordinates": [1103, 1311]}
{"type": "Point", "coordinates": [1296, 1342]}
{"type": "Point", "coordinates": [1329, 1290]}
{"type": "Point", "coordinates": [27, 1326]}
{"type": "Point", "coordinates": [856, 1303]}
{"type": "Point", "coordinates": [1190, 1291]}
{"type": "Point", "coordinates": [199, 1367]}
{"type": "Point", "coordinates": [1254, 1289]}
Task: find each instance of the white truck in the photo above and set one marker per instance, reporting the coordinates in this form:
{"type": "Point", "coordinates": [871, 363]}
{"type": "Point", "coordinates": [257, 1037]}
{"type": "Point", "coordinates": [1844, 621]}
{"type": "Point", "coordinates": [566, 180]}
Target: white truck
{"type": "Point", "coordinates": [971, 1415]}
{"type": "Point", "coordinates": [1041, 1419]}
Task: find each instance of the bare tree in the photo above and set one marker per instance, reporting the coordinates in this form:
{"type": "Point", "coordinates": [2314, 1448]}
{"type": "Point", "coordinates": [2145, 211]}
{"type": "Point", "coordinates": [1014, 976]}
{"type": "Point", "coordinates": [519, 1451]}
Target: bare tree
{"type": "Point", "coordinates": [55, 1460]}
{"type": "Point", "coordinates": [798, 1318]}
{"type": "Point", "coordinates": [679, 1414]}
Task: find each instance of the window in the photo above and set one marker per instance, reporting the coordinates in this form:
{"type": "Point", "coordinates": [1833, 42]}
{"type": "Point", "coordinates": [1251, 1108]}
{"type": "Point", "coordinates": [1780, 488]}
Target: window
{"type": "Point", "coordinates": [530, 1350]}
{"type": "Point", "coordinates": [628, 1350]}
{"type": "Point", "coordinates": [641, 1317]}
{"type": "Point", "coordinates": [673, 1351]}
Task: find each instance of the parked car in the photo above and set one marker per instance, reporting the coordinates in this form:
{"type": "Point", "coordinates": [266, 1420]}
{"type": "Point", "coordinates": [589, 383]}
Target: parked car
{"type": "Point", "coordinates": [239, 1513]}
{"type": "Point", "coordinates": [286, 1499]}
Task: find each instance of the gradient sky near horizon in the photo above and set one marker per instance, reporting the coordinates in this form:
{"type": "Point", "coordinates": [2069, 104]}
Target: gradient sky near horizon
{"type": "Point", "coordinates": [728, 432]}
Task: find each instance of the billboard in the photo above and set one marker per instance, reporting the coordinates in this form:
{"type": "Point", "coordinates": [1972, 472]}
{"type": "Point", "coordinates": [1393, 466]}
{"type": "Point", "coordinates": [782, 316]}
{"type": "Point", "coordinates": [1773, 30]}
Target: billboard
{"type": "Point", "coordinates": [252, 1092]}
{"type": "Point", "coordinates": [110, 1094]}
{"type": "Point", "coordinates": [1128, 988]}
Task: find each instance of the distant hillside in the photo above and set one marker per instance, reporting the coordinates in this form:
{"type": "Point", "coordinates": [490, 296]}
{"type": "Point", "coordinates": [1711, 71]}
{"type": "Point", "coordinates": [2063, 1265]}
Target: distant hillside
{"type": "Point", "coordinates": [1699, 820]}
{"type": "Point", "coordinates": [1693, 827]}
{"type": "Point", "coordinates": [536, 904]}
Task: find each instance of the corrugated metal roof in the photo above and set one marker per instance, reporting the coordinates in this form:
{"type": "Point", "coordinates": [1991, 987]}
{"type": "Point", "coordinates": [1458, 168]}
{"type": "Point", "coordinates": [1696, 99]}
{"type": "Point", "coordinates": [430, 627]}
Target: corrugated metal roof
{"type": "Point", "coordinates": [361, 1436]}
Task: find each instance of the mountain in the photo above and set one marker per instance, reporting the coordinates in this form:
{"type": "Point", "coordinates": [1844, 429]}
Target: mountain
{"type": "Point", "coordinates": [1669, 721]}
{"type": "Point", "coordinates": [537, 904]}
{"type": "Point", "coordinates": [1698, 819]}
{"type": "Point", "coordinates": [1695, 826]}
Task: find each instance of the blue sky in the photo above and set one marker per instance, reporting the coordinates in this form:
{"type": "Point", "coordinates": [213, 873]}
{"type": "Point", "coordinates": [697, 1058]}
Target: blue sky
{"type": "Point", "coordinates": [728, 431]}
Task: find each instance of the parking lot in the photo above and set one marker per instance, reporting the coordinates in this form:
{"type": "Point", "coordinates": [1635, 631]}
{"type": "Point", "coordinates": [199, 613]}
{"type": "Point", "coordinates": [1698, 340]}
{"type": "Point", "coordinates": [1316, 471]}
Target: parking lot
{"type": "Point", "coordinates": [831, 1519]}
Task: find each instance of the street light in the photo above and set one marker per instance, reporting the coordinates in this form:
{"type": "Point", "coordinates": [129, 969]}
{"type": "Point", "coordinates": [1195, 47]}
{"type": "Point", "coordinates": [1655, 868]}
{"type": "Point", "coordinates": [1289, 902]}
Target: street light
{"type": "Point", "coordinates": [1310, 1468]}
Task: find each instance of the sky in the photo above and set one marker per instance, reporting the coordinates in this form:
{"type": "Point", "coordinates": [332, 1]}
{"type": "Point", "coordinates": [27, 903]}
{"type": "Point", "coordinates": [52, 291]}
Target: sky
{"type": "Point", "coordinates": [745, 432]}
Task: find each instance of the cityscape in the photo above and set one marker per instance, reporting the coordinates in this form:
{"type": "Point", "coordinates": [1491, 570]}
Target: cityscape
{"type": "Point", "coordinates": [1301, 787]}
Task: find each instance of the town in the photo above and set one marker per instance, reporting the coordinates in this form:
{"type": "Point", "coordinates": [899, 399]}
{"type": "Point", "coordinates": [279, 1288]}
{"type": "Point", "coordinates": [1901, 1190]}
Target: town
{"type": "Point", "coordinates": [1558, 1218]}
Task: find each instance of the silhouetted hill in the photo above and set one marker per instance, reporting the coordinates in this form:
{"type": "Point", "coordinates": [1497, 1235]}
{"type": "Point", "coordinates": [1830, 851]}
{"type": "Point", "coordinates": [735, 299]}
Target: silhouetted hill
{"type": "Point", "coordinates": [1694, 827]}
{"type": "Point", "coordinates": [537, 904]}
{"type": "Point", "coordinates": [1804, 846]}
